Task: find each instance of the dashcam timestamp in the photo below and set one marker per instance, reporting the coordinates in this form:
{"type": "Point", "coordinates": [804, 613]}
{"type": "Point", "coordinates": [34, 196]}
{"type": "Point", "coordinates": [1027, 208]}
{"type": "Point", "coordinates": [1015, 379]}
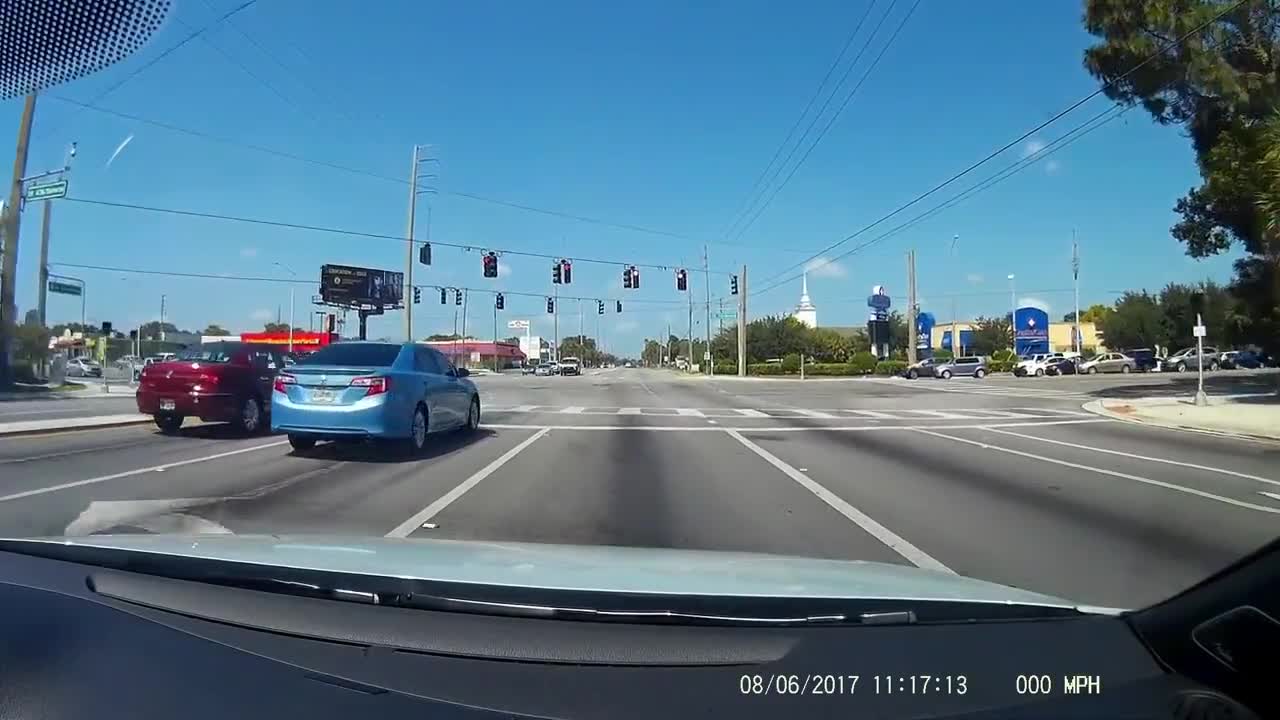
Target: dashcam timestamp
{"type": "Point", "coordinates": [833, 684]}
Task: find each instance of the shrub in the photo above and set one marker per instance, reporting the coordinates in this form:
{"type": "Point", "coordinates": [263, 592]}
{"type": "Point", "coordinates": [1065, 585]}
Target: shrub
{"type": "Point", "coordinates": [863, 363]}
{"type": "Point", "coordinates": [791, 363]}
{"type": "Point", "coordinates": [890, 367]}
{"type": "Point", "coordinates": [835, 369]}
{"type": "Point", "coordinates": [764, 369]}
{"type": "Point", "coordinates": [1001, 365]}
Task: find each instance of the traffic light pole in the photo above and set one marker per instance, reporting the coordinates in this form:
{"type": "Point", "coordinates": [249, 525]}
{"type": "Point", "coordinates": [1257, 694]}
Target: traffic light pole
{"type": "Point", "coordinates": [9, 224]}
{"type": "Point", "coordinates": [742, 324]}
{"type": "Point", "coordinates": [408, 264]}
{"type": "Point", "coordinates": [706, 276]}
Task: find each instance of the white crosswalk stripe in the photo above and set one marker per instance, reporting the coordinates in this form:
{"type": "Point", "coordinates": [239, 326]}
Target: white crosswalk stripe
{"type": "Point", "coordinates": [913, 414]}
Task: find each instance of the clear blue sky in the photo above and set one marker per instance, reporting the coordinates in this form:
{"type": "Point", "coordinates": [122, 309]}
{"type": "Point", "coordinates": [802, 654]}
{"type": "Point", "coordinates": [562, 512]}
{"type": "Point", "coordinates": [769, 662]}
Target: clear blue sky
{"type": "Point", "coordinates": [651, 114]}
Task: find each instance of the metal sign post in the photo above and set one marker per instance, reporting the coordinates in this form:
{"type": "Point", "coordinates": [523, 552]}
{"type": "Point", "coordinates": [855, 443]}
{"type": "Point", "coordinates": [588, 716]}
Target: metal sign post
{"type": "Point", "coordinates": [1199, 331]}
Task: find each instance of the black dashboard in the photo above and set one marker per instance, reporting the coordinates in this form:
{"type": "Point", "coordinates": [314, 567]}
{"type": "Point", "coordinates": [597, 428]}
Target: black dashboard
{"type": "Point", "coordinates": [84, 641]}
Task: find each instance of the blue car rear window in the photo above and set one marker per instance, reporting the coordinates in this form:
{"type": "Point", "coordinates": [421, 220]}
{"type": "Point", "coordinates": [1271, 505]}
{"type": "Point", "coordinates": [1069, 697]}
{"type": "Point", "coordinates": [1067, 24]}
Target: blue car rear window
{"type": "Point", "coordinates": [375, 355]}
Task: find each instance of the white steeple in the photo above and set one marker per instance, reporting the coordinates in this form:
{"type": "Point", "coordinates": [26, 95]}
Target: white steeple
{"type": "Point", "coordinates": [806, 312]}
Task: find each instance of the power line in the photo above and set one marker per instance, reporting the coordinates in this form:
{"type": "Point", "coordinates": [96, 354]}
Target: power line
{"type": "Point", "coordinates": [1061, 142]}
{"type": "Point", "coordinates": [140, 69]}
{"type": "Point", "coordinates": [297, 281]}
{"type": "Point", "coordinates": [376, 236]}
{"type": "Point", "coordinates": [1057, 116]}
{"type": "Point", "coordinates": [751, 194]}
{"type": "Point", "coordinates": [835, 116]}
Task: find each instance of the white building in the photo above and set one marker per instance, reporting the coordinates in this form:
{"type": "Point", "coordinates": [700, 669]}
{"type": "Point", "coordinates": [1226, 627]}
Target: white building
{"type": "Point", "coordinates": [806, 312]}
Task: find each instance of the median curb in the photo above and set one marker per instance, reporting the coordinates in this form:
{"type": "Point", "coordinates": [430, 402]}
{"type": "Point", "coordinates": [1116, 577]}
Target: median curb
{"type": "Point", "coordinates": [40, 427]}
{"type": "Point", "coordinates": [1098, 408]}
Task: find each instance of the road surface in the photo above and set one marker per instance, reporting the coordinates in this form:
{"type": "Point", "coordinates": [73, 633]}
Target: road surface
{"type": "Point", "coordinates": [1006, 480]}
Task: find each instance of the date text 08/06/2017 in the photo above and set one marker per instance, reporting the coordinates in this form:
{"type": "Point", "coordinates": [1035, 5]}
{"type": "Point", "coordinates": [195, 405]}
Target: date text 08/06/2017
{"type": "Point", "coordinates": [833, 684]}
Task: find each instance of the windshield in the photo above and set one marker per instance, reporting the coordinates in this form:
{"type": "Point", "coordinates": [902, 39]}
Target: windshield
{"type": "Point", "coordinates": [373, 355]}
{"type": "Point", "coordinates": [841, 250]}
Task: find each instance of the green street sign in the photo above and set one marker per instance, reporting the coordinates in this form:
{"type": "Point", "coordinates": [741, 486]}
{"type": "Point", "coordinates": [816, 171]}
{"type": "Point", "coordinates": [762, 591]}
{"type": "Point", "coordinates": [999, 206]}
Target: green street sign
{"type": "Point", "coordinates": [63, 288]}
{"type": "Point", "coordinates": [48, 191]}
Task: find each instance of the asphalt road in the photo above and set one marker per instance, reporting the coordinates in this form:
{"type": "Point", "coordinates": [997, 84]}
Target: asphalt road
{"type": "Point", "coordinates": [51, 408]}
{"type": "Point", "coordinates": [1004, 479]}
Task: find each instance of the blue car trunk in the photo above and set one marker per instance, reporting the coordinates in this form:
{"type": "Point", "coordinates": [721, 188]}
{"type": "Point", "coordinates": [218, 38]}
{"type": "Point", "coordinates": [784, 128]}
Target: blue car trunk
{"type": "Point", "coordinates": [329, 384]}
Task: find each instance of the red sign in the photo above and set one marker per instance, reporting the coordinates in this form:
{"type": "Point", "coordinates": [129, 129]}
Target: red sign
{"type": "Point", "coordinates": [300, 339]}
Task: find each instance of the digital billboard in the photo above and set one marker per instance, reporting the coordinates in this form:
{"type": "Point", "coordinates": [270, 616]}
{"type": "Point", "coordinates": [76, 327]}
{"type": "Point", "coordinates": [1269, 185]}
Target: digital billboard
{"type": "Point", "coordinates": [347, 285]}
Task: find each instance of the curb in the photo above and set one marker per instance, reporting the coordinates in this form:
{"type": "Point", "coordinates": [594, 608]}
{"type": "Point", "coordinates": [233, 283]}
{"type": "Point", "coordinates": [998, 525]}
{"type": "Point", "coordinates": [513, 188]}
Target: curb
{"type": "Point", "coordinates": [51, 429]}
{"type": "Point", "coordinates": [1096, 407]}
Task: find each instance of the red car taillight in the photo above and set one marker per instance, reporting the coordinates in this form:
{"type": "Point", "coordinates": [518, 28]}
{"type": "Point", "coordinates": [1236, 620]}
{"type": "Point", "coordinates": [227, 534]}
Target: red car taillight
{"type": "Point", "coordinates": [375, 384]}
{"type": "Point", "coordinates": [283, 381]}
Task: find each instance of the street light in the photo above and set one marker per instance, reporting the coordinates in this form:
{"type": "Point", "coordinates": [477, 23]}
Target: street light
{"type": "Point", "coordinates": [1013, 312]}
{"type": "Point", "coordinates": [289, 270]}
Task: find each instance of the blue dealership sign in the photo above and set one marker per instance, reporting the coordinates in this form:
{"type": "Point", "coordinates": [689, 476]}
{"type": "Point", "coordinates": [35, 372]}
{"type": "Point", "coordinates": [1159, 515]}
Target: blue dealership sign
{"type": "Point", "coordinates": [878, 303]}
{"type": "Point", "coordinates": [924, 330]}
{"type": "Point", "coordinates": [1031, 334]}
{"type": "Point", "coordinates": [966, 340]}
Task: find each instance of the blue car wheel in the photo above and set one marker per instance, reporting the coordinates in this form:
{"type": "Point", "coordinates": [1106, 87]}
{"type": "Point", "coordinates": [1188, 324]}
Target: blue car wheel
{"type": "Point", "coordinates": [417, 431]}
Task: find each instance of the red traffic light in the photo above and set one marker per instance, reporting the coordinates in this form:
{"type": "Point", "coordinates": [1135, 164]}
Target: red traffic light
{"type": "Point", "coordinates": [567, 271]}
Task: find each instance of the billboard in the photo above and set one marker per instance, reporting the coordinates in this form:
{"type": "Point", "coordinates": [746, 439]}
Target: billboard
{"type": "Point", "coordinates": [1031, 333]}
{"type": "Point", "coordinates": [878, 304]}
{"type": "Point", "coordinates": [924, 330]}
{"type": "Point", "coordinates": [517, 324]}
{"type": "Point", "coordinates": [347, 285]}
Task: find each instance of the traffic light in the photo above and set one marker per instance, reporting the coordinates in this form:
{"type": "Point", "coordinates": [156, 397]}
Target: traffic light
{"type": "Point", "coordinates": [635, 278]}
{"type": "Point", "coordinates": [331, 322]}
{"type": "Point", "coordinates": [133, 334]}
{"type": "Point", "coordinates": [443, 297]}
{"type": "Point", "coordinates": [424, 254]}
{"type": "Point", "coordinates": [599, 307]}
{"type": "Point", "coordinates": [500, 302]}
{"type": "Point", "coordinates": [733, 284]}
{"type": "Point", "coordinates": [491, 265]}
{"type": "Point", "coordinates": [567, 271]}
{"type": "Point", "coordinates": [457, 297]}
{"type": "Point", "coordinates": [626, 278]}
{"type": "Point", "coordinates": [106, 328]}
{"type": "Point", "coordinates": [682, 280]}
{"type": "Point", "coordinates": [556, 269]}
{"type": "Point", "coordinates": [551, 305]}
{"type": "Point", "coordinates": [417, 296]}
{"type": "Point", "coordinates": [619, 306]}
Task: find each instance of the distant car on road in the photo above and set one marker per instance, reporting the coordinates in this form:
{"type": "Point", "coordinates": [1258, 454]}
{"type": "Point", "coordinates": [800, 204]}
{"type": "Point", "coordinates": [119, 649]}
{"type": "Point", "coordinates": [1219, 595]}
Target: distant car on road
{"type": "Point", "coordinates": [545, 369]}
{"type": "Point", "coordinates": [222, 381]}
{"type": "Point", "coordinates": [83, 367]}
{"type": "Point", "coordinates": [968, 366]}
{"type": "Point", "coordinates": [924, 367]}
{"type": "Point", "coordinates": [570, 366]}
{"type": "Point", "coordinates": [1240, 359]}
{"type": "Point", "coordinates": [628, 364]}
{"type": "Point", "coordinates": [1189, 359]}
{"type": "Point", "coordinates": [1111, 362]}
{"type": "Point", "coordinates": [1062, 366]}
{"type": "Point", "coordinates": [528, 369]}
{"type": "Point", "coordinates": [373, 390]}
{"type": "Point", "coordinates": [1035, 364]}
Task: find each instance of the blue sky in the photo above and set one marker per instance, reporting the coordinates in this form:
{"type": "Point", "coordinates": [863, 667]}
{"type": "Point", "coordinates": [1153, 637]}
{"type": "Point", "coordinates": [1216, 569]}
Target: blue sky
{"type": "Point", "coordinates": [658, 115]}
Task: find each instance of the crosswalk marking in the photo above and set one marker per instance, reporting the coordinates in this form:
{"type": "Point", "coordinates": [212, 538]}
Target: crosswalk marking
{"type": "Point", "coordinates": [848, 414]}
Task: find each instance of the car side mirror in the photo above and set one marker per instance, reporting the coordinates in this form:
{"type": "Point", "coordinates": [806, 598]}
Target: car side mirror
{"type": "Point", "coordinates": [461, 372]}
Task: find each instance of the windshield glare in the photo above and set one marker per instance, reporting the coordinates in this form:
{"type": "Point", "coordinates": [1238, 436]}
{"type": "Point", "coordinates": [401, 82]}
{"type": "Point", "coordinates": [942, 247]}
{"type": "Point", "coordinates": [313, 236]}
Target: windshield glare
{"type": "Point", "coordinates": [353, 354]}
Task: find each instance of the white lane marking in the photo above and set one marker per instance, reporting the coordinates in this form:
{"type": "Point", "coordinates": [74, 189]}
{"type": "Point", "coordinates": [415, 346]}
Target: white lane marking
{"type": "Point", "coordinates": [1104, 471]}
{"type": "Point", "coordinates": [896, 542]}
{"type": "Point", "coordinates": [713, 422]}
{"type": "Point", "coordinates": [1273, 496]}
{"type": "Point", "coordinates": [138, 471]}
{"type": "Point", "coordinates": [816, 414]}
{"type": "Point", "coordinates": [523, 408]}
{"type": "Point", "coordinates": [816, 428]}
{"type": "Point", "coordinates": [1135, 456]}
{"type": "Point", "coordinates": [941, 414]}
{"type": "Point", "coordinates": [875, 414]}
{"type": "Point", "coordinates": [988, 413]}
{"type": "Point", "coordinates": [629, 411]}
{"type": "Point", "coordinates": [571, 410]}
{"type": "Point", "coordinates": [406, 528]}
{"type": "Point", "coordinates": [747, 412]}
{"type": "Point", "coordinates": [689, 412]}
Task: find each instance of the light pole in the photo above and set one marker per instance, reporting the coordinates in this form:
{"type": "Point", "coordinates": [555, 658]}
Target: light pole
{"type": "Point", "coordinates": [1013, 316]}
{"type": "Point", "coordinates": [289, 270]}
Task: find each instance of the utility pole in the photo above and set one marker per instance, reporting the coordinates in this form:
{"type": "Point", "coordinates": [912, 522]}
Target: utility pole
{"type": "Point", "coordinates": [582, 343]}
{"type": "Point", "coordinates": [464, 323]}
{"type": "Point", "coordinates": [9, 225]}
{"type": "Point", "coordinates": [495, 334]}
{"type": "Point", "coordinates": [555, 315]}
{"type": "Point", "coordinates": [688, 366]}
{"type": "Point", "coordinates": [408, 263]}
{"type": "Point", "coordinates": [742, 323]}
{"type": "Point", "coordinates": [666, 346]}
{"type": "Point", "coordinates": [162, 299]}
{"type": "Point", "coordinates": [43, 286]}
{"type": "Point", "coordinates": [1075, 278]}
{"type": "Point", "coordinates": [912, 340]}
{"type": "Point", "coordinates": [706, 276]}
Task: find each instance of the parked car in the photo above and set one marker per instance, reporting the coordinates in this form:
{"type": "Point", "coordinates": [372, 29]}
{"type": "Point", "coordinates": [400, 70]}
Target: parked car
{"type": "Point", "coordinates": [969, 366]}
{"type": "Point", "coordinates": [373, 390]}
{"type": "Point", "coordinates": [528, 369]}
{"type": "Point", "coordinates": [1144, 360]}
{"type": "Point", "coordinates": [1109, 363]}
{"type": "Point", "coordinates": [923, 367]}
{"type": "Point", "coordinates": [1238, 359]}
{"type": "Point", "coordinates": [1188, 359]}
{"type": "Point", "coordinates": [570, 366]}
{"type": "Point", "coordinates": [1062, 366]}
{"type": "Point", "coordinates": [222, 381]}
{"type": "Point", "coordinates": [545, 369]}
{"type": "Point", "coordinates": [83, 367]}
{"type": "Point", "coordinates": [1035, 364]}
{"type": "Point", "coordinates": [628, 364]}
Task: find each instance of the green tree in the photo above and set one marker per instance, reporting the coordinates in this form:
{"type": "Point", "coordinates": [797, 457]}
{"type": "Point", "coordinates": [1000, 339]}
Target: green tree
{"type": "Point", "coordinates": [1137, 321]}
{"type": "Point", "coordinates": [1222, 84]}
{"type": "Point", "coordinates": [828, 346]}
{"type": "Point", "coordinates": [215, 329]}
{"type": "Point", "coordinates": [430, 338]}
{"type": "Point", "coordinates": [1096, 313]}
{"type": "Point", "coordinates": [652, 353]}
{"type": "Point", "coordinates": [775, 336]}
{"type": "Point", "coordinates": [990, 335]}
{"type": "Point", "coordinates": [273, 327]}
{"type": "Point", "coordinates": [31, 342]}
{"type": "Point", "coordinates": [151, 330]}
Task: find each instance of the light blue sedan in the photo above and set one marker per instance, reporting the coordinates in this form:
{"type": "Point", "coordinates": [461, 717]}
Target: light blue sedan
{"type": "Point", "coordinates": [373, 390]}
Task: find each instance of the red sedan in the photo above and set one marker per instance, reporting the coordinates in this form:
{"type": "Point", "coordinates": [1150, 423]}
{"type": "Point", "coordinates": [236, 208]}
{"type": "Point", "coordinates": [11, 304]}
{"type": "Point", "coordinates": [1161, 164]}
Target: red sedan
{"type": "Point", "coordinates": [223, 381]}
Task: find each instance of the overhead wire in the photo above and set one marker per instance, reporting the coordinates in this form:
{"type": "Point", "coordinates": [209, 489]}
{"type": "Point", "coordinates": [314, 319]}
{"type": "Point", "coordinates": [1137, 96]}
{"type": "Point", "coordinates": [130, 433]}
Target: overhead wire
{"type": "Point", "coordinates": [1002, 149]}
{"type": "Point", "coordinates": [835, 116]}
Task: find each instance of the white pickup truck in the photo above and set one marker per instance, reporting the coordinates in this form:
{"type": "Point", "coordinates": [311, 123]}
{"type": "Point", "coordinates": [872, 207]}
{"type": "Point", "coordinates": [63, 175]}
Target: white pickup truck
{"type": "Point", "coordinates": [1035, 364]}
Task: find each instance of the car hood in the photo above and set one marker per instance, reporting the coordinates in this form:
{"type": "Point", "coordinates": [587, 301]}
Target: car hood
{"type": "Point", "coordinates": [583, 568]}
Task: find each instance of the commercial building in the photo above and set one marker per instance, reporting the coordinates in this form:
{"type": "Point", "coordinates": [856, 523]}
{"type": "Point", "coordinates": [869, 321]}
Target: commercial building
{"type": "Point", "coordinates": [1061, 336]}
{"type": "Point", "coordinates": [472, 353]}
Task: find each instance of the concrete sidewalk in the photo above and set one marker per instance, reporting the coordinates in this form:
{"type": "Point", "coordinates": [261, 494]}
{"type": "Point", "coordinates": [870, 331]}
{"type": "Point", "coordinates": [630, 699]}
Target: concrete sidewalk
{"type": "Point", "coordinates": [31, 427]}
{"type": "Point", "coordinates": [1253, 415]}
{"type": "Point", "coordinates": [90, 391]}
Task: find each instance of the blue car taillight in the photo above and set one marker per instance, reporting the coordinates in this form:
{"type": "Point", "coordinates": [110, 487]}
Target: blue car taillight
{"type": "Point", "coordinates": [375, 384]}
